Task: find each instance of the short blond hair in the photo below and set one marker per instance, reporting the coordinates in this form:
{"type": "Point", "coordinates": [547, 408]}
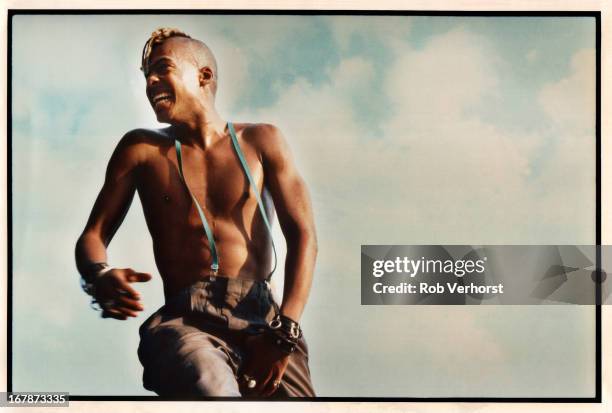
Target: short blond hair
{"type": "Point", "coordinates": [202, 54]}
{"type": "Point", "coordinates": [158, 37]}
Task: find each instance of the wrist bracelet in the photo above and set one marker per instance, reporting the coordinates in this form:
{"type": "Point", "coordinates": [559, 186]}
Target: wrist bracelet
{"type": "Point", "coordinates": [286, 326]}
{"type": "Point", "coordinates": [286, 346]}
{"type": "Point", "coordinates": [93, 272]}
{"type": "Point", "coordinates": [284, 332]}
{"type": "Point", "coordinates": [96, 270]}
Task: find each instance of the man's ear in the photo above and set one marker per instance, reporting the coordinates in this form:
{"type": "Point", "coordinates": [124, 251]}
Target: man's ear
{"type": "Point", "coordinates": [206, 75]}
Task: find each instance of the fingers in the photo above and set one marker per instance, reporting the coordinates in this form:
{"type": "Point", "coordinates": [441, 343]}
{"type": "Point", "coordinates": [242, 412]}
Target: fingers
{"type": "Point", "coordinates": [138, 277]}
{"type": "Point", "coordinates": [125, 311]}
{"type": "Point", "coordinates": [118, 312]}
{"type": "Point", "coordinates": [120, 299]}
{"type": "Point", "coordinates": [120, 307]}
{"type": "Point", "coordinates": [112, 313]}
{"type": "Point", "coordinates": [130, 277]}
{"type": "Point", "coordinates": [129, 303]}
{"type": "Point", "coordinates": [127, 288]}
{"type": "Point", "coordinates": [272, 385]}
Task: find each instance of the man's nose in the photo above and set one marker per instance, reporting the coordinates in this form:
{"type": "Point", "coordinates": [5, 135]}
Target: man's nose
{"type": "Point", "coordinates": [152, 79]}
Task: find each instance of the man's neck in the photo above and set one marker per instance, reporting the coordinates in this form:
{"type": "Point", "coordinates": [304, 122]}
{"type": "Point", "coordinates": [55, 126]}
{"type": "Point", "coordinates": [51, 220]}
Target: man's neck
{"type": "Point", "coordinates": [203, 129]}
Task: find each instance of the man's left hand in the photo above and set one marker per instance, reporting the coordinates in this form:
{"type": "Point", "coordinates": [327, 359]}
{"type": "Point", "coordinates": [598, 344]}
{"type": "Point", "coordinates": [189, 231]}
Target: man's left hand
{"type": "Point", "coordinates": [266, 364]}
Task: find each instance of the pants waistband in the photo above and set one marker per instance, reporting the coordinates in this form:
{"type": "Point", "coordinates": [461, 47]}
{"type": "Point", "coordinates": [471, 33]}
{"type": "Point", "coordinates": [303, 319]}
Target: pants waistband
{"type": "Point", "coordinates": [233, 297]}
{"type": "Point", "coordinates": [229, 280]}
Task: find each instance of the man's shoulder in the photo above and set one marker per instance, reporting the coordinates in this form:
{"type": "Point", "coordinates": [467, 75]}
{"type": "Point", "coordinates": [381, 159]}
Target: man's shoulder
{"type": "Point", "coordinates": [257, 128]}
{"type": "Point", "coordinates": [143, 136]}
{"type": "Point", "coordinates": [139, 145]}
{"type": "Point", "coordinates": [260, 135]}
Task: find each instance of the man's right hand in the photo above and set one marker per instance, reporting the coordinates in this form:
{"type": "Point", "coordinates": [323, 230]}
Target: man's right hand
{"type": "Point", "coordinates": [115, 294]}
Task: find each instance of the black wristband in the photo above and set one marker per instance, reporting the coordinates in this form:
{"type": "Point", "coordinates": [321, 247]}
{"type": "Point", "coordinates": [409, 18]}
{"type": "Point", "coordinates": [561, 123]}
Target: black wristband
{"type": "Point", "coordinates": [284, 332]}
{"type": "Point", "coordinates": [282, 343]}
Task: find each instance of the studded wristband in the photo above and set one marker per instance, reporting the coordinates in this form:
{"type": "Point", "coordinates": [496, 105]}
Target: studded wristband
{"type": "Point", "coordinates": [284, 333]}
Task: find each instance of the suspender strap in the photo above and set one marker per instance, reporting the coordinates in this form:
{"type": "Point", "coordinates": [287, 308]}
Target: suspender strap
{"type": "Point", "coordinates": [211, 240]}
{"type": "Point", "coordinates": [207, 230]}
{"type": "Point", "coordinates": [260, 204]}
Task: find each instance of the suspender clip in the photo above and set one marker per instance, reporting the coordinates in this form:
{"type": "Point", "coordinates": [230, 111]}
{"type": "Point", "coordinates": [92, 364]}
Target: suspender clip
{"type": "Point", "coordinates": [215, 269]}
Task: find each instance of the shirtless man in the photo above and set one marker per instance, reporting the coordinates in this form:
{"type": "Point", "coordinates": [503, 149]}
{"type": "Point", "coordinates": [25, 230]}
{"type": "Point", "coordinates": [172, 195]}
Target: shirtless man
{"type": "Point", "coordinates": [220, 333]}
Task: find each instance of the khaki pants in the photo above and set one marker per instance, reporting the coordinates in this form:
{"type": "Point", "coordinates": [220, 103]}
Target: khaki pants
{"type": "Point", "coordinates": [196, 343]}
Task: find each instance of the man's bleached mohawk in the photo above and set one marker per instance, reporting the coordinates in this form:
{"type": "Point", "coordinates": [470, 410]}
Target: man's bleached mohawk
{"type": "Point", "coordinates": [157, 37]}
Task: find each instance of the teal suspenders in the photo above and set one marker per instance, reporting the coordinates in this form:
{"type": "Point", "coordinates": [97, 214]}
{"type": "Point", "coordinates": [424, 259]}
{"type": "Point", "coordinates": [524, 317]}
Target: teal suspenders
{"type": "Point", "coordinates": [211, 240]}
{"type": "Point", "coordinates": [262, 210]}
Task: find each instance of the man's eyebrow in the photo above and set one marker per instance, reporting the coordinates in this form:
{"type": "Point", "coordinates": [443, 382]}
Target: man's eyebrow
{"type": "Point", "coordinates": [158, 61]}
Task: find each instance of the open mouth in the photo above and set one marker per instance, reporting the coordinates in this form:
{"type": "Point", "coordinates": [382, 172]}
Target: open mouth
{"type": "Point", "coordinates": [161, 99]}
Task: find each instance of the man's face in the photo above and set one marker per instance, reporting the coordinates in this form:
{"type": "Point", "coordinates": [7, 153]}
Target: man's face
{"type": "Point", "coordinates": [173, 81]}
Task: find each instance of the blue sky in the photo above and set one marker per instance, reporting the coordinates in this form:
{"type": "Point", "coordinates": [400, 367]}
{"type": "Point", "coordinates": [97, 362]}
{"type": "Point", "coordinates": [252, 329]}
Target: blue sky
{"type": "Point", "coordinates": [408, 130]}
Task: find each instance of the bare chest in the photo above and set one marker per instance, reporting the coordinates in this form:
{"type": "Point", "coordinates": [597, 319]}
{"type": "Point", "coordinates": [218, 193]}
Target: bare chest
{"type": "Point", "coordinates": [214, 176]}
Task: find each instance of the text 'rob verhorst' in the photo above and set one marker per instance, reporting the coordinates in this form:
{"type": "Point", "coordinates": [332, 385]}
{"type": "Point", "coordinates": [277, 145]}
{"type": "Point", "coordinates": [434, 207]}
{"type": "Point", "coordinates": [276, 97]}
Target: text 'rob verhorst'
{"type": "Point", "coordinates": [413, 268]}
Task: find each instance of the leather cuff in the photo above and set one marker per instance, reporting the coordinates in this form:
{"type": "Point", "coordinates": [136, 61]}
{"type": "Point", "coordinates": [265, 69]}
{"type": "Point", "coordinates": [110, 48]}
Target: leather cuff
{"type": "Point", "coordinates": [284, 333]}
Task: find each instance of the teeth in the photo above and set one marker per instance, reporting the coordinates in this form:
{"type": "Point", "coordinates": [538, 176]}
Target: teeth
{"type": "Point", "coordinates": [160, 97]}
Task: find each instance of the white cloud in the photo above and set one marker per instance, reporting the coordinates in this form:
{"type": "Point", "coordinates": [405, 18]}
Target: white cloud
{"type": "Point", "coordinates": [569, 171]}
{"type": "Point", "coordinates": [49, 56]}
{"type": "Point", "coordinates": [570, 102]}
{"type": "Point", "coordinates": [532, 55]}
{"type": "Point", "coordinates": [435, 170]}
{"type": "Point", "coordinates": [436, 174]}
{"type": "Point", "coordinates": [388, 30]}
{"type": "Point", "coordinates": [454, 70]}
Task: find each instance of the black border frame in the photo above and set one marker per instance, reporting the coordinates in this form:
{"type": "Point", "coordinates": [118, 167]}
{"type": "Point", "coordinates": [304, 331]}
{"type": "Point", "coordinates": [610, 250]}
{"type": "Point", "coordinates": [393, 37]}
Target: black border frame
{"type": "Point", "coordinates": [598, 350]}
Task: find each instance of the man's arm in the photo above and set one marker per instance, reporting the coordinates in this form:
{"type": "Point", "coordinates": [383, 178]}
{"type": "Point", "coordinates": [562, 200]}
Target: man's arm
{"type": "Point", "coordinates": [294, 210]}
{"type": "Point", "coordinates": [109, 210]}
{"type": "Point", "coordinates": [292, 203]}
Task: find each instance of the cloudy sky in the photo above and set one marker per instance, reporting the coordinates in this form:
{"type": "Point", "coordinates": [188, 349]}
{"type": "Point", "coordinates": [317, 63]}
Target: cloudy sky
{"type": "Point", "coordinates": [408, 130]}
